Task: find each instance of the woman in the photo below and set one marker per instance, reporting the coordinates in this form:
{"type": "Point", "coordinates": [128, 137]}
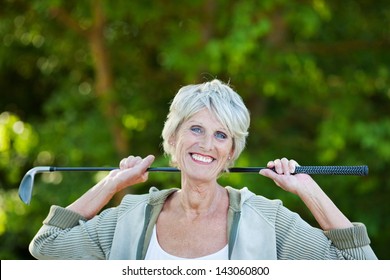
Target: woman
{"type": "Point", "coordinates": [204, 134]}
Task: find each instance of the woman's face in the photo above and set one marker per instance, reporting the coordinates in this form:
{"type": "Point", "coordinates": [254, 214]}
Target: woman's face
{"type": "Point", "coordinates": [203, 146]}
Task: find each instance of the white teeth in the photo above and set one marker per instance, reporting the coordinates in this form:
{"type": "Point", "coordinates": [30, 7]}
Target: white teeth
{"type": "Point", "coordinates": [202, 158]}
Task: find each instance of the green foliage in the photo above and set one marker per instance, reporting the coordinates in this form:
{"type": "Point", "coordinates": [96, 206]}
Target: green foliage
{"type": "Point", "coordinates": [17, 139]}
{"type": "Point", "coordinates": [314, 74]}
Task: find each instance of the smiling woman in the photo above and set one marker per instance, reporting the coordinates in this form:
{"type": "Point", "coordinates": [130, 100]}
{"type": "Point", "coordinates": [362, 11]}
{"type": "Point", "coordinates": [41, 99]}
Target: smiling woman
{"type": "Point", "coordinates": [202, 145]}
{"type": "Point", "coordinates": [204, 134]}
{"type": "Point", "coordinates": [225, 104]}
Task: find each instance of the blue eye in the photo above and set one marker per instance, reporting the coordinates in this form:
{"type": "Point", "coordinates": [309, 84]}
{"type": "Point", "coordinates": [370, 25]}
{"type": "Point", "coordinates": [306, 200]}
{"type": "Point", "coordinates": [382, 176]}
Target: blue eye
{"type": "Point", "coordinates": [196, 129]}
{"type": "Point", "coordinates": [221, 135]}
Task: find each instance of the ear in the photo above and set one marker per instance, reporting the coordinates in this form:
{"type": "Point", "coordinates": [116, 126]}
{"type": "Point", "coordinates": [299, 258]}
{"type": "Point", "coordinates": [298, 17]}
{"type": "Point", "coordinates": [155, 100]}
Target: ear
{"type": "Point", "coordinates": [231, 154]}
{"type": "Point", "coordinates": [172, 140]}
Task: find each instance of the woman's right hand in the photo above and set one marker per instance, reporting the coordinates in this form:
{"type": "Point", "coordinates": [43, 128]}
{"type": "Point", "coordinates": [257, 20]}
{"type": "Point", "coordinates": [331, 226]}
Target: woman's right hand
{"type": "Point", "coordinates": [132, 170]}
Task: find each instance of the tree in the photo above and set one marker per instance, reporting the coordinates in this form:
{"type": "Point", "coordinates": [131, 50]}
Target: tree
{"type": "Point", "coordinates": [91, 81]}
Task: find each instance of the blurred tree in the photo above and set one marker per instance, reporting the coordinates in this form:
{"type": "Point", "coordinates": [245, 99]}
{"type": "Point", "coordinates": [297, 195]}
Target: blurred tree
{"type": "Point", "coordinates": [90, 82]}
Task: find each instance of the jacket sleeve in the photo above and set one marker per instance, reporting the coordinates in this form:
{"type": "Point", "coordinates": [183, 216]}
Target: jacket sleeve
{"type": "Point", "coordinates": [67, 235]}
{"type": "Point", "coordinates": [296, 239]}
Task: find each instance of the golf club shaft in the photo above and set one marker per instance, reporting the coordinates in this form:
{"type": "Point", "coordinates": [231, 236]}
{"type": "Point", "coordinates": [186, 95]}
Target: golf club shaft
{"type": "Point", "coordinates": [360, 170]}
{"type": "Point", "coordinates": [27, 183]}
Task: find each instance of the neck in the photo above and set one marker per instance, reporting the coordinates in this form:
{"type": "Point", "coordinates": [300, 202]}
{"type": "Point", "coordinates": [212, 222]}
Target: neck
{"type": "Point", "coordinates": [200, 199]}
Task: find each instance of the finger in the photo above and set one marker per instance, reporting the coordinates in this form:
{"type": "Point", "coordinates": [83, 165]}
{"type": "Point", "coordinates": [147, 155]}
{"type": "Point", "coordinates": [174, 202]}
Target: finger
{"type": "Point", "coordinates": [124, 162]}
{"type": "Point", "coordinates": [145, 177]}
{"type": "Point", "coordinates": [114, 172]}
{"type": "Point", "coordinates": [270, 174]}
{"type": "Point", "coordinates": [130, 162]}
{"type": "Point", "coordinates": [135, 161]}
{"type": "Point", "coordinates": [144, 164]}
{"type": "Point", "coordinates": [267, 172]}
{"type": "Point", "coordinates": [292, 165]}
{"type": "Point", "coordinates": [270, 170]}
{"type": "Point", "coordinates": [285, 166]}
{"type": "Point", "coordinates": [147, 161]}
{"type": "Point", "coordinates": [278, 166]}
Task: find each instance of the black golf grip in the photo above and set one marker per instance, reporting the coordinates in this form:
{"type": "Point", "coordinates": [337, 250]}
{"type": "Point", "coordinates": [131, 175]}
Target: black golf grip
{"type": "Point", "coordinates": [333, 170]}
{"type": "Point", "coordinates": [360, 170]}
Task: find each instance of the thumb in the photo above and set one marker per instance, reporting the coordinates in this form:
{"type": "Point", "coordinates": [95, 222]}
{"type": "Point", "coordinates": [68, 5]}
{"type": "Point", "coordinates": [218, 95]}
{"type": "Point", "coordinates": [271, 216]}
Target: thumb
{"type": "Point", "coordinates": [267, 172]}
{"type": "Point", "coordinates": [147, 161]}
{"type": "Point", "coordinates": [140, 169]}
{"type": "Point", "coordinates": [145, 164]}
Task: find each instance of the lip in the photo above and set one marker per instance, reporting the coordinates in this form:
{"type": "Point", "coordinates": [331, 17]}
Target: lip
{"type": "Point", "coordinates": [202, 155]}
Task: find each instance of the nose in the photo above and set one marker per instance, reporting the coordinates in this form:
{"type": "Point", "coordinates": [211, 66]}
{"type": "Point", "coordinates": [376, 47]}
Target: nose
{"type": "Point", "coordinates": [206, 142]}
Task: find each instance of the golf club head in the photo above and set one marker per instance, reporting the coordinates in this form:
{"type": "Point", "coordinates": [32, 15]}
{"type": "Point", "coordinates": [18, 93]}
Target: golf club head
{"type": "Point", "coordinates": [27, 183]}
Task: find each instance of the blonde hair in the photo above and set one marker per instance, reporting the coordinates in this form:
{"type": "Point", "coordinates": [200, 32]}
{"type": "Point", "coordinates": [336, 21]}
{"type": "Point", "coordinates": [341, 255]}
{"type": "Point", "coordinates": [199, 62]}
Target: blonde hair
{"type": "Point", "coordinates": [221, 100]}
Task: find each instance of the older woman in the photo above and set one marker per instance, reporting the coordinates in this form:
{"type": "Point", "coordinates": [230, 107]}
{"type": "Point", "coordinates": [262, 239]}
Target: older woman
{"type": "Point", "coordinates": [204, 134]}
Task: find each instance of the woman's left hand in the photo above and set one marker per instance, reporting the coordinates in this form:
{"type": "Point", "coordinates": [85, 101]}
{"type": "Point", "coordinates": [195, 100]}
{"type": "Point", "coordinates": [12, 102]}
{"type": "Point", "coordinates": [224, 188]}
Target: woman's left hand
{"type": "Point", "coordinates": [320, 205]}
{"type": "Point", "coordinates": [283, 175]}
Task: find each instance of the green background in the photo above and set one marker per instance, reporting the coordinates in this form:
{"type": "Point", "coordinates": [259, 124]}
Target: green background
{"type": "Point", "coordinates": [86, 83]}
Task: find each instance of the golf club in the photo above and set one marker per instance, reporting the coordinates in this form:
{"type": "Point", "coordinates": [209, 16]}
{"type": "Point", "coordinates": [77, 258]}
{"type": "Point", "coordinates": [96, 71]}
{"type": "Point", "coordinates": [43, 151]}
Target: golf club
{"type": "Point", "coordinates": [27, 183]}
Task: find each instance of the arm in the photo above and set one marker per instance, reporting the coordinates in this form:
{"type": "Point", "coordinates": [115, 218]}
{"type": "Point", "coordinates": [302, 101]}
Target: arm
{"type": "Point", "coordinates": [339, 238]}
{"type": "Point", "coordinates": [320, 205]}
{"type": "Point", "coordinates": [132, 171]}
{"type": "Point", "coordinates": [77, 232]}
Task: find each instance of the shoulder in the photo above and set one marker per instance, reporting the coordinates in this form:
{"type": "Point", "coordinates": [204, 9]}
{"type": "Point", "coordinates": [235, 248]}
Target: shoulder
{"type": "Point", "coordinates": [244, 198]}
{"type": "Point", "coordinates": [261, 202]}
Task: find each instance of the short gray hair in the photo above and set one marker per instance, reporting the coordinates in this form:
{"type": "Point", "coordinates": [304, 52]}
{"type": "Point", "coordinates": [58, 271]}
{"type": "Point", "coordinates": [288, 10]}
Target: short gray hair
{"type": "Point", "coordinates": [221, 100]}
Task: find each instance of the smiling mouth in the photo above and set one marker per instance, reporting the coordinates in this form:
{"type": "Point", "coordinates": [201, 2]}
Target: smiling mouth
{"type": "Point", "coordinates": [201, 158]}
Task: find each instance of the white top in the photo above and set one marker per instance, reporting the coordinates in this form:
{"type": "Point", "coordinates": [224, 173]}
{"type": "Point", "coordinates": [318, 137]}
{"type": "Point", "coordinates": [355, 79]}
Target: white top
{"type": "Point", "coordinates": [155, 252]}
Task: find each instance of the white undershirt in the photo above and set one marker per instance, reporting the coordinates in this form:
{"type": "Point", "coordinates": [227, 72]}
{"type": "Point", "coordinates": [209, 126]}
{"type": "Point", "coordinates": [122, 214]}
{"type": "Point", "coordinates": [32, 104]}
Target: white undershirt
{"type": "Point", "coordinates": [155, 252]}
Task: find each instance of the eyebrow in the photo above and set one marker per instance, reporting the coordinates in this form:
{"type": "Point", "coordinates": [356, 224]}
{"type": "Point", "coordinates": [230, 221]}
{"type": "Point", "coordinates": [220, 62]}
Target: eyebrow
{"type": "Point", "coordinates": [201, 124]}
